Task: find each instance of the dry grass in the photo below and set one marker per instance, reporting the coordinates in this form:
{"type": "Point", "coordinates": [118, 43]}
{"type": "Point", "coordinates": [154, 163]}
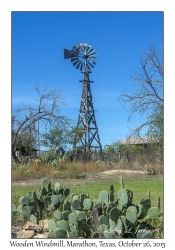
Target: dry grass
{"type": "Point", "coordinates": [67, 169]}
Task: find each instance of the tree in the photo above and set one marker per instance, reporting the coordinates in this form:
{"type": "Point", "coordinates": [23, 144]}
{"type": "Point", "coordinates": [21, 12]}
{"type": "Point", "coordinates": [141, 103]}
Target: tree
{"type": "Point", "coordinates": [46, 112]}
{"type": "Point", "coordinates": [61, 137]}
{"type": "Point", "coordinates": [148, 98]}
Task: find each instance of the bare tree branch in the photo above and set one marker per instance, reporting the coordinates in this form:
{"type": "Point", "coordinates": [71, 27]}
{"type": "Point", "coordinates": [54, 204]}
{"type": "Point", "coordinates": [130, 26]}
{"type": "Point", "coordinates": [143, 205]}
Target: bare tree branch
{"type": "Point", "coordinates": [148, 81]}
{"type": "Point", "coordinates": [46, 111]}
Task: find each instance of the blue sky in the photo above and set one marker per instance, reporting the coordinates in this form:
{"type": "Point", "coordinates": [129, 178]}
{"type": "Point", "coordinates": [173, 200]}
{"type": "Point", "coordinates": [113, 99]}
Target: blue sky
{"type": "Point", "coordinates": [119, 38]}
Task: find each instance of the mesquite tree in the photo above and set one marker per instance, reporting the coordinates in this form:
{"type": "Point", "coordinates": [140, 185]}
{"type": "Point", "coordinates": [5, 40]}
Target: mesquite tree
{"type": "Point", "coordinates": [25, 119]}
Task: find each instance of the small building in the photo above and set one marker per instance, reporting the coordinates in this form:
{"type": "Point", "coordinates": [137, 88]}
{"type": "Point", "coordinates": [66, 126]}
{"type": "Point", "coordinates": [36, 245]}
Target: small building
{"type": "Point", "coordinates": [140, 141]}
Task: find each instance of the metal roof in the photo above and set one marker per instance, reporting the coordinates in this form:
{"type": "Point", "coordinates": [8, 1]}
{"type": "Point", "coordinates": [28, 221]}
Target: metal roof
{"type": "Point", "coordinates": [139, 140]}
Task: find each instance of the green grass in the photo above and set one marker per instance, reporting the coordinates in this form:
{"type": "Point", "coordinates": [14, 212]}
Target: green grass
{"type": "Point", "coordinates": [139, 186]}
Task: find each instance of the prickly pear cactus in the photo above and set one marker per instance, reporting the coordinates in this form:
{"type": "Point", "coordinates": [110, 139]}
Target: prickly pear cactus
{"type": "Point", "coordinates": [24, 200]}
{"type": "Point", "coordinates": [114, 214]}
{"type": "Point", "coordinates": [14, 208]}
{"type": "Point", "coordinates": [131, 214]}
{"type": "Point", "coordinates": [103, 196]}
{"type": "Point", "coordinates": [103, 220]}
{"type": "Point", "coordinates": [57, 187]}
{"type": "Point", "coordinates": [87, 204]}
{"type": "Point", "coordinates": [45, 182]}
{"type": "Point", "coordinates": [54, 199]}
{"type": "Point", "coordinates": [60, 233]}
{"type": "Point", "coordinates": [63, 224]}
{"type": "Point", "coordinates": [57, 214]}
{"type": "Point", "coordinates": [26, 211]}
{"type": "Point", "coordinates": [66, 192]}
{"type": "Point", "coordinates": [153, 213]}
{"type": "Point", "coordinates": [81, 217]}
{"type": "Point", "coordinates": [76, 204]}
{"type": "Point", "coordinates": [33, 219]}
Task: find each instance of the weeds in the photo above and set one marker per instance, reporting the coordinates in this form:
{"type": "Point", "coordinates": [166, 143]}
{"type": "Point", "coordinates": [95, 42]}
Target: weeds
{"type": "Point", "coordinates": [66, 169]}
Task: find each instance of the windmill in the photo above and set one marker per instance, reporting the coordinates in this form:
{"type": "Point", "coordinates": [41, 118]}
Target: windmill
{"type": "Point", "coordinates": [84, 57]}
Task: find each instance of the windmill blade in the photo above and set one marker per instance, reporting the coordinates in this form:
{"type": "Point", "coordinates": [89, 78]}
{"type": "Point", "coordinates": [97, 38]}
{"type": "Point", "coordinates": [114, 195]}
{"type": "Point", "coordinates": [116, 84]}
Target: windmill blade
{"type": "Point", "coordinates": [91, 50]}
{"type": "Point", "coordinates": [89, 47]}
{"type": "Point", "coordinates": [85, 48]}
{"type": "Point", "coordinates": [90, 64]}
{"type": "Point", "coordinates": [94, 62]}
{"type": "Point", "coordinates": [78, 64]}
{"type": "Point", "coordinates": [93, 54]}
{"type": "Point", "coordinates": [92, 58]}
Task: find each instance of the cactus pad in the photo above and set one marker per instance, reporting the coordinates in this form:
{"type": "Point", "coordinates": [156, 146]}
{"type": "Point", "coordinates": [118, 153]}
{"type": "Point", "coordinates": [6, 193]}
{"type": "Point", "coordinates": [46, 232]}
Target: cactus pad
{"type": "Point", "coordinates": [148, 235]}
{"type": "Point", "coordinates": [120, 192]}
{"type": "Point", "coordinates": [114, 214]}
{"type": "Point", "coordinates": [57, 187]}
{"type": "Point", "coordinates": [65, 215]}
{"type": "Point", "coordinates": [63, 224]}
{"type": "Point", "coordinates": [33, 219]}
{"type": "Point", "coordinates": [153, 213]}
{"type": "Point", "coordinates": [61, 198]}
{"type": "Point", "coordinates": [124, 198]}
{"type": "Point", "coordinates": [54, 199]}
{"type": "Point", "coordinates": [107, 234]}
{"type": "Point", "coordinates": [81, 215]}
{"type": "Point", "coordinates": [14, 208]}
{"type": "Point", "coordinates": [52, 225]}
{"type": "Point", "coordinates": [66, 192]}
{"type": "Point", "coordinates": [26, 211]}
{"type": "Point", "coordinates": [73, 234]}
{"type": "Point", "coordinates": [112, 224]}
{"type": "Point", "coordinates": [111, 188]}
{"type": "Point", "coordinates": [73, 218]}
{"type": "Point", "coordinates": [131, 214]}
{"type": "Point", "coordinates": [76, 204]}
{"type": "Point", "coordinates": [67, 206]}
{"type": "Point", "coordinates": [57, 214]}
{"type": "Point", "coordinates": [103, 196]}
{"type": "Point", "coordinates": [60, 233]}
{"type": "Point", "coordinates": [102, 228]}
{"type": "Point", "coordinates": [45, 182]}
{"type": "Point", "coordinates": [111, 197]}
{"type": "Point", "coordinates": [19, 209]}
{"type": "Point", "coordinates": [103, 220]}
{"type": "Point", "coordinates": [87, 204]}
{"type": "Point", "coordinates": [24, 200]}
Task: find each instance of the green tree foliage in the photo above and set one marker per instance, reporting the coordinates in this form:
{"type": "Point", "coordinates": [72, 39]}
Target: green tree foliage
{"type": "Point", "coordinates": [61, 137]}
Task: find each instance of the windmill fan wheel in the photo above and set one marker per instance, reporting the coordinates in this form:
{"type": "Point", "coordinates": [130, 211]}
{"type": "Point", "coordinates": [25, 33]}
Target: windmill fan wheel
{"type": "Point", "coordinates": [82, 56]}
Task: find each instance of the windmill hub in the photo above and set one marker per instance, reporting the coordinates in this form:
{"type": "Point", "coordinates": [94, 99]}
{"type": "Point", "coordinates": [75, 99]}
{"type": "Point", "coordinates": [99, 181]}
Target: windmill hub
{"type": "Point", "coordinates": [84, 57]}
